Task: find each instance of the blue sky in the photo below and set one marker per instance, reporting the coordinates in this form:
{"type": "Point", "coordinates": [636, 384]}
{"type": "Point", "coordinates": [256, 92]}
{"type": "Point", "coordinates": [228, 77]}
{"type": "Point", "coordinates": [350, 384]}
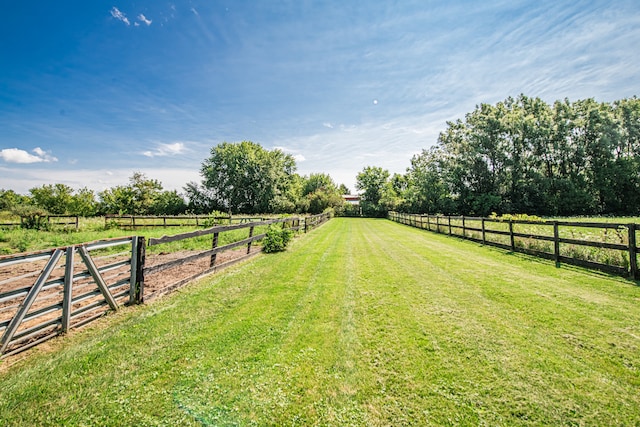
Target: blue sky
{"type": "Point", "coordinates": [91, 91]}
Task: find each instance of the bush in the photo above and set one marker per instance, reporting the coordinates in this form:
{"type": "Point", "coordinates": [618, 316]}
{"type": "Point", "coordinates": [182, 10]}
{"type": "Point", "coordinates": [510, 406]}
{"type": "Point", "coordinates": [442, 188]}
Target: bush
{"type": "Point", "coordinates": [277, 238]}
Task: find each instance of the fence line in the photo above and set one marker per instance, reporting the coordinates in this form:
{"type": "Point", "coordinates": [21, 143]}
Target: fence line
{"type": "Point", "coordinates": [47, 293]}
{"type": "Point", "coordinates": [137, 221]}
{"type": "Point", "coordinates": [62, 220]}
{"type": "Point", "coordinates": [554, 240]}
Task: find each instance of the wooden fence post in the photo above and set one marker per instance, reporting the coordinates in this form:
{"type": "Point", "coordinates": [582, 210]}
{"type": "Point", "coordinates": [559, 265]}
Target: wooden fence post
{"type": "Point", "coordinates": [449, 217]}
{"type": "Point", "coordinates": [556, 243]}
{"type": "Point", "coordinates": [437, 223]}
{"type": "Point", "coordinates": [249, 244]}
{"type": "Point", "coordinates": [133, 282]}
{"type": "Point", "coordinates": [511, 237]}
{"type": "Point", "coordinates": [68, 287]}
{"type": "Point", "coordinates": [484, 233]}
{"type": "Point", "coordinates": [141, 256]}
{"type": "Point", "coordinates": [214, 245]}
{"type": "Point", "coordinates": [464, 230]}
{"type": "Point", "coordinates": [633, 260]}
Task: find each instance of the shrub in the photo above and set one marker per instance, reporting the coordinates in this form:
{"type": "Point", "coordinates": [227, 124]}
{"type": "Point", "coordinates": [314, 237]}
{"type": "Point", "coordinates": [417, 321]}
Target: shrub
{"type": "Point", "coordinates": [277, 238]}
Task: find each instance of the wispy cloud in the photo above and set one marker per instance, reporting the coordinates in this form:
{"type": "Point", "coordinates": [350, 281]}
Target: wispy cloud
{"type": "Point", "coordinates": [115, 12]}
{"type": "Point", "coordinates": [144, 19]}
{"type": "Point", "coordinates": [162, 150]}
{"type": "Point", "coordinates": [15, 155]}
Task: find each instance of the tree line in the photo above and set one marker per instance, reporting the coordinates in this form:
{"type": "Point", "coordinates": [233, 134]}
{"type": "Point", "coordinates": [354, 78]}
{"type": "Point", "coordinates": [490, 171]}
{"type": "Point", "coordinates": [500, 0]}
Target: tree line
{"type": "Point", "coordinates": [237, 178]}
{"type": "Point", "coordinates": [522, 155]}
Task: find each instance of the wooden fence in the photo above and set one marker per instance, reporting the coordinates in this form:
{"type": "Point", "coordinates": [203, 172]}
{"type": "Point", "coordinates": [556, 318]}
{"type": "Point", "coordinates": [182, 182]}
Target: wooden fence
{"type": "Point", "coordinates": [608, 247]}
{"type": "Point", "coordinates": [47, 293]}
{"type": "Point", "coordinates": [52, 220]}
{"type": "Point", "coordinates": [133, 222]}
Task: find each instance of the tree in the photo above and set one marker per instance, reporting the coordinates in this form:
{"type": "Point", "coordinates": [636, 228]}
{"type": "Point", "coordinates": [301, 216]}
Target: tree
{"type": "Point", "coordinates": [245, 178]}
{"type": "Point", "coordinates": [83, 203]}
{"type": "Point", "coordinates": [168, 203]}
{"type": "Point", "coordinates": [142, 196]}
{"type": "Point", "coordinates": [372, 181]}
{"type": "Point", "coordinates": [55, 199]}
{"type": "Point", "coordinates": [10, 199]}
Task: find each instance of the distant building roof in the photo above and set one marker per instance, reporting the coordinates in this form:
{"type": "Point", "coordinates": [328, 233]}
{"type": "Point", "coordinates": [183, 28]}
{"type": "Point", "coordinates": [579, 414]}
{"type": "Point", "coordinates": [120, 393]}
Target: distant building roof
{"type": "Point", "coordinates": [351, 198]}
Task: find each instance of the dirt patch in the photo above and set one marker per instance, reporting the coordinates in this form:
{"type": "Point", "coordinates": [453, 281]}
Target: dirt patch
{"type": "Point", "coordinates": [157, 281]}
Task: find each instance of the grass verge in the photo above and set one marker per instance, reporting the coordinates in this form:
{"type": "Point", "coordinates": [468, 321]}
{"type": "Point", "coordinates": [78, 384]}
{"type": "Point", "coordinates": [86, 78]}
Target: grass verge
{"type": "Point", "coordinates": [361, 322]}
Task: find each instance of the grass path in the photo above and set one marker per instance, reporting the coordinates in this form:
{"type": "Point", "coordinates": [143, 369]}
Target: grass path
{"type": "Point", "coordinates": [361, 322]}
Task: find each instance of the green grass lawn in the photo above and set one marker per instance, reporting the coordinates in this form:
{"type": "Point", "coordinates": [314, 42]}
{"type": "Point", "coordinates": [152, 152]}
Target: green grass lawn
{"type": "Point", "coordinates": [361, 322]}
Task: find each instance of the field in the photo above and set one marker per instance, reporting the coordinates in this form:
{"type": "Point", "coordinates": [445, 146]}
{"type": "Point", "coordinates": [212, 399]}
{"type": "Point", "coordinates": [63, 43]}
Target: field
{"type": "Point", "coordinates": [361, 322]}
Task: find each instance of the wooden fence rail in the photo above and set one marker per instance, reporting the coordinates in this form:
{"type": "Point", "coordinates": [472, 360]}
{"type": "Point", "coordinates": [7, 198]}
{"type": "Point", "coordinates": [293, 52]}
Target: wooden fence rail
{"type": "Point", "coordinates": [52, 220]}
{"type": "Point", "coordinates": [609, 247]}
{"type": "Point", "coordinates": [137, 221]}
{"type": "Point", "coordinates": [47, 293]}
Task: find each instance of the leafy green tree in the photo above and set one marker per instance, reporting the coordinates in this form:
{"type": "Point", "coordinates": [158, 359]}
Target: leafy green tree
{"type": "Point", "coordinates": [373, 182]}
{"type": "Point", "coordinates": [319, 192]}
{"type": "Point", "coordinates": [10, 199]}
{"type": "Point", "coordinates": [168, 203]}
{"type": "Point", "coordinates": [245, 178]}
{"type": "Point", "coordinates": [83, 203]}
{"type": "Point", "coordinates": [201, 200]}
{"type": "Point", "coordinates": [54, 198]}
{"type": "Point", "coordinates": [142, 196]}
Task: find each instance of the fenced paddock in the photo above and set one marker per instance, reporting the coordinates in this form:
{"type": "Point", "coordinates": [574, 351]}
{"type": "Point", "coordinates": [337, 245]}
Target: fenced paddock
{"type": "Point", "coordinates": [364, 322]}
{"type": "Point", "coordinates": [608, 247]}
{"type": "Point", "coordinates": [47, 293]}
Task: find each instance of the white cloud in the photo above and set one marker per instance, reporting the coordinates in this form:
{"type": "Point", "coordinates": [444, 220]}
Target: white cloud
{"type": "Point", "coordinates": [167, 150]}
{"type": "Point", "coordinates": [21, 180]}
{"type": "Point", "coordinates": [327, 125]}
{"type": "Point", "coordinates": [115, 12]}
{"type": "Point", "coordinates": [144, 19]}
{"type": "Point", "coordinates": [195, 12]}
{"type": "Point", "coordinates": [15, 155]}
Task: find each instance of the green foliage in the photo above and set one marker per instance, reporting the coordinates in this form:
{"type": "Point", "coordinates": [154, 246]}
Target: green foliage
{"type": "Point", "coordinates": [319, 193]}
{"type": "Point", "coordinates": [516, 217]}
{"type": "Point", "coordinates": [374, 182]}
{"type": "Point", "coordinates": [10, 199]}
{"type": "Point", "coordinates": [277, 238]}
{"type": "Point", "coordinates": [524, 155]}
{"type": "Point", "coordinates": [142, 196]}
{"type": "Point", "coordinates": [32, 217]}
{"type": "Point", "coordinates": [245, 178]}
